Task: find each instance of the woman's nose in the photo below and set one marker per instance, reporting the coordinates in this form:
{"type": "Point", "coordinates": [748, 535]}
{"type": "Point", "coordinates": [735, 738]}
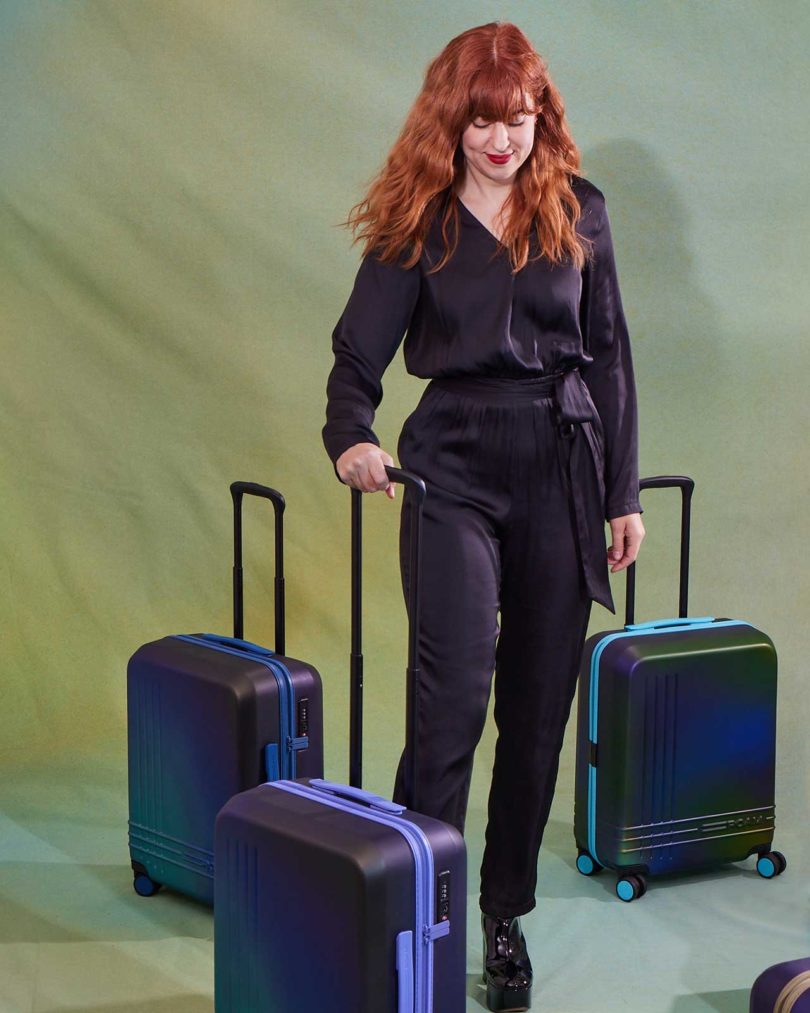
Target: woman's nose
{"type": "Point", "coordinates": [500, 136]}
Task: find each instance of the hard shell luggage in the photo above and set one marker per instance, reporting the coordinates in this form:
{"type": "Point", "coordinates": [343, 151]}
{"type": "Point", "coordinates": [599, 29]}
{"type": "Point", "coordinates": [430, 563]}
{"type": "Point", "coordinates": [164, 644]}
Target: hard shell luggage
{"type": "Point", "coordinates": [676, 741]}
{"type": "Point", "coordinates": [209, 716]}
{"type": "Point", "coordinates": [783, 988]}
{"type": "Point", "coordinates": [328, 897]}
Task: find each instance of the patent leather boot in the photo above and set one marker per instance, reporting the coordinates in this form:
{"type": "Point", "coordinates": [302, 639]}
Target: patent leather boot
{"type": "Point", "coordinates": [507, 968]}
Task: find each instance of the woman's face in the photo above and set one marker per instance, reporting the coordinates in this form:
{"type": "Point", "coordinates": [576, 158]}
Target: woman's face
{"type": "Point", "coordinates": [497, 150]}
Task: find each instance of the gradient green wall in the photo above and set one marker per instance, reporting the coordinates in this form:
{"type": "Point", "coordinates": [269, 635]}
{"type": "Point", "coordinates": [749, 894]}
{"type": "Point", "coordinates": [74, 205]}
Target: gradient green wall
{"type": "Point", "coordinates": [171, 268]}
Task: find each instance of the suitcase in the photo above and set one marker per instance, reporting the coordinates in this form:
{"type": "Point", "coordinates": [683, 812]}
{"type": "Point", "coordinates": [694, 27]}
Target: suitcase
{"type": "Point", "coordinates": [783, 988]}
{"type": "Point", "coordinates": [209, 716]}
{"type": "Point", "coordinates": [676, 741]}
{"type": "Point", "coordinates": [328, 897]}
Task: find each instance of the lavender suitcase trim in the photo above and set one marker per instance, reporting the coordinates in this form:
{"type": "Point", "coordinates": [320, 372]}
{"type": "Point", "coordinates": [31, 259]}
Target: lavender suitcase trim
{"type": "Point", "coordinates": [632, 630]}
{"type": "Point", "coordinates": [405, 970]}
{"type": "Point", "coordinates": [289, 745]}
{"type": "Point", "coordinates": [425, 933]}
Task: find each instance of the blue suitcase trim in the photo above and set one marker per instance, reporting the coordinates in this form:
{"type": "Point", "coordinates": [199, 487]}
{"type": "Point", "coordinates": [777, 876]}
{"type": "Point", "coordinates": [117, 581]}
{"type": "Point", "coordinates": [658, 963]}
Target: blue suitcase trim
{"type": "Point", "coordinates": [415, 976]}
{"type": "Point", "coordinates": [632, 630]}
{"type": "Point", "coordinates": [281, 760]}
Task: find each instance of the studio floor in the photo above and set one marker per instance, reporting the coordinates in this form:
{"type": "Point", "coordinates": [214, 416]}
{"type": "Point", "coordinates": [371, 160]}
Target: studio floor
{"type": "Point", "coordinates": [74, 935]}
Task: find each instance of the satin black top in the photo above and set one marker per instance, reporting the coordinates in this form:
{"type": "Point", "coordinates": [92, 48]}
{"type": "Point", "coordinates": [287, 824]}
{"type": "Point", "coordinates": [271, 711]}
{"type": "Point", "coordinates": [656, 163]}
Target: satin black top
{"type": "Point", "coordinates": [475, 317]}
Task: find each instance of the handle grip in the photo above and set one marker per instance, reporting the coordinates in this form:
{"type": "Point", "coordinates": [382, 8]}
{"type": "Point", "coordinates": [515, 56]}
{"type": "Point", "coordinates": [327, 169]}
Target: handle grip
{"type": "Point", "coordinates": [662, 623]}
{"type": "Point", "coordinates": [409, 480]}
{"type": "Point", "coordinates": [686, 485]}
{"type": "Point", "coordinates": [242, 645]}
{"type": "Point", "coordinates": [358, 795]}
{"type": "Point", "coordinates": [238, 490]}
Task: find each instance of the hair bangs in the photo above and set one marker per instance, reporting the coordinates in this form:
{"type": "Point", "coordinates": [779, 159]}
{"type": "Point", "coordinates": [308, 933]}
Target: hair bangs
{"type": "Point", "coordinates": [498, 98]}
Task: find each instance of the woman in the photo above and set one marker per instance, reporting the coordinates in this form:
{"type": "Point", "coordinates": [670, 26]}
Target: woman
{"type": "Point", "coordinates": [485, 244]}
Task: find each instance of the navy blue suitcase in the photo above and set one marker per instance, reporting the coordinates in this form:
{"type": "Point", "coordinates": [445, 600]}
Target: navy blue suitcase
{"type": "Point", "coordinates": [328, 897]}
{"type": "Point", "coordinates": [209, 716]}
{"type": "Point", "coordinates": [676, 741]}
{"type": "Point", "coordinates": [783, 988]}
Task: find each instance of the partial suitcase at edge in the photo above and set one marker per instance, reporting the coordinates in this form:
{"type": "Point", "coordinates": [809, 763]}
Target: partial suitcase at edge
{"type": "Point", "coordinates": [782, 988]}
{"type": "Point", "coordinates": [210, 716]}
{"type": "Point", "coordinates": [676, 742]}
{"type": "Point", "coordinates": [330, 898]}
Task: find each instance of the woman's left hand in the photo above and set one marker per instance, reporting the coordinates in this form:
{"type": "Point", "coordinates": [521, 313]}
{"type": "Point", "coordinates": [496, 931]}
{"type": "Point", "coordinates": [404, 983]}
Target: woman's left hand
{"type": "Point", "coordinates": [627, 534]}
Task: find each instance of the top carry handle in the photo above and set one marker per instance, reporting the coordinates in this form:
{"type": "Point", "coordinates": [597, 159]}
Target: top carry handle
{"type": "Point", "coordinates": [238, 489]}
{"type": "Point", "coordinates": [415, 488]}
{"type": "Point", "coordinates": [686, 485]}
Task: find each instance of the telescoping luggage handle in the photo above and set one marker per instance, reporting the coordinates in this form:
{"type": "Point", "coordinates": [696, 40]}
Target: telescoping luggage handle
{"type": "Point", "coordinates": [415, 488]}
{"type": "Point", "coordinates": [238, 490]}
{"type": "Point", "coordinates": [686, 485]}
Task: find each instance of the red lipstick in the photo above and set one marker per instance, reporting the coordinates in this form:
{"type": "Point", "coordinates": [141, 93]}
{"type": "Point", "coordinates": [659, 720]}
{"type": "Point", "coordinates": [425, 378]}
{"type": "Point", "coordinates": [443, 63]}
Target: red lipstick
{"type": "Point", "coordinates": [499, 159]}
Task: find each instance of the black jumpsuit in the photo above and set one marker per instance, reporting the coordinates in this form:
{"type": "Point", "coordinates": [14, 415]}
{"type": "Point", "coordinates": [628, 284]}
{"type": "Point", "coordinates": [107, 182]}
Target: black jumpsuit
{"type": "Point", "coordinates": [527, 440]}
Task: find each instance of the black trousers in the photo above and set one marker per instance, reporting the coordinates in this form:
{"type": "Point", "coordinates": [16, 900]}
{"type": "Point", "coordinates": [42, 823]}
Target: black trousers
{"type": "Point", "coordinates": [498, 536]}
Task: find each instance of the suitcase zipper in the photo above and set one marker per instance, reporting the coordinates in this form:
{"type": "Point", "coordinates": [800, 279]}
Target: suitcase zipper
{"type": "Point", "coordinates": [290, 744]}
{"type": "Point", "coordinates": [425, 932]}
{"type": "Point", "coordinates": [633, 630]}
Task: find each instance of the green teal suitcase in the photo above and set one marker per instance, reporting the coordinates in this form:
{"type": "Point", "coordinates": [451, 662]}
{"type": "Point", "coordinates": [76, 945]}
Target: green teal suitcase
{"type": "Point", "coordinates": [676, 741]}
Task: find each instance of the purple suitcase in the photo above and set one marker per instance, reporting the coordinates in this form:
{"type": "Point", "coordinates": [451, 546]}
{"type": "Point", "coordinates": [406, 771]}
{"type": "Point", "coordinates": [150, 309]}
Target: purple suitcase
{"type": "Point", "coordinates": [209, 716]}
{"type": "Point", "coordinates": [328, 897]}
{"type": "Point", "coordinates": [783, 988]}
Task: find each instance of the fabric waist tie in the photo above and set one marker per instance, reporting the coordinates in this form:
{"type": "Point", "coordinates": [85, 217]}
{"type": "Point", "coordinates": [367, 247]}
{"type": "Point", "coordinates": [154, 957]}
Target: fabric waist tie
{"type": "Point", "coordinates": [497, 390]}
{"type": "Point", "coordinates": [573, 407]}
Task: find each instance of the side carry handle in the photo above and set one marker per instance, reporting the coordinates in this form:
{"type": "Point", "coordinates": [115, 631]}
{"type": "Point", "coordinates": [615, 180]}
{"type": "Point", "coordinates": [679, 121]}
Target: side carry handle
{"type": "Point", "coordinates": [405, 982]}
{"type": "Point", "coordinates": [238, 490]}
{"type": "Point", "coordinates": [686, 485]}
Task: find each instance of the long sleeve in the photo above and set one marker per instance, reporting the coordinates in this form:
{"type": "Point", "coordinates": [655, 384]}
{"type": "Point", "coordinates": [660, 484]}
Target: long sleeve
{"type": "Point", "coordinates": [610, 377]}
{"type": "Point", "coordinates": [364, 342]}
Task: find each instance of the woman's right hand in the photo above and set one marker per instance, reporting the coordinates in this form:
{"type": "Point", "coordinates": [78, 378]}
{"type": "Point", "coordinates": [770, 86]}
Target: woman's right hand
{"type": "Point", "coordinates": [363, 467]}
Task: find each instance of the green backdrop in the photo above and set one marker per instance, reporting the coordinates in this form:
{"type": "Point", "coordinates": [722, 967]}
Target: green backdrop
{"type": "Point", "coordinates": [172, 176]}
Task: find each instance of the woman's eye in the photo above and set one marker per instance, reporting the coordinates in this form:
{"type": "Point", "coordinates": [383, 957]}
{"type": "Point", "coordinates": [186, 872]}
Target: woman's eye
{"type": "Point", "coordinates": [483, 126]}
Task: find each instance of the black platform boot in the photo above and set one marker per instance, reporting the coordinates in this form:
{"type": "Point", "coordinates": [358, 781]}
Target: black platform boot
{"type": "Point", "coordinates": [507, 968]}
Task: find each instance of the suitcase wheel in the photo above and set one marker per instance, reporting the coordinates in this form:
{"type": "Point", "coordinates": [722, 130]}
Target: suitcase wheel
{"type": "Point", "coordinates": [771, 864]}
{"type": "Point", "coordinates": [587, 864]}
{"type": "Point", "coordinates": [145, 886]}
{"type": "Point", "coordinates": [630, 887]}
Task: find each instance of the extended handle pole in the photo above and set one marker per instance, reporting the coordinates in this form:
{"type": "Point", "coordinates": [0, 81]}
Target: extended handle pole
{"type": "Point", "coordinates": [238, 490]}
{"type": "Point", "coordinates": [415, 489]}
{"type": "Point", "coordinates": [356, 657]}
{"type": "Point", "coordinates": [687, 486]}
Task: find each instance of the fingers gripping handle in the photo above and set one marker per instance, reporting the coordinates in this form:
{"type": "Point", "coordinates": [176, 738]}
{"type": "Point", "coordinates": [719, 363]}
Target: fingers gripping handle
{"type": "Point", "coordinates": [238, 490]}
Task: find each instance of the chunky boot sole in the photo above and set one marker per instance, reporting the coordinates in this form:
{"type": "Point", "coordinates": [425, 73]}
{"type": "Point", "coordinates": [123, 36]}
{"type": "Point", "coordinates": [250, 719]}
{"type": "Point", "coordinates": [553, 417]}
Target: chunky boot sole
{"type": "Point", "coordinates": [505, 1000]}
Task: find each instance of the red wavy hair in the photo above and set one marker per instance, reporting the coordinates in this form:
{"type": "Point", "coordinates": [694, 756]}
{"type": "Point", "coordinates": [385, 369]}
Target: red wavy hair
{"type": "Point", "coordinates": [487, 72]}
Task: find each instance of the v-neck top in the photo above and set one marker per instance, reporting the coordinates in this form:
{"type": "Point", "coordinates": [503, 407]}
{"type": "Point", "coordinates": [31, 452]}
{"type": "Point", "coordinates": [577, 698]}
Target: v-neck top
{"type": "Point", "coordinates": [475, 217]}
{"type": "Point", "coordinates": [475, 317]}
